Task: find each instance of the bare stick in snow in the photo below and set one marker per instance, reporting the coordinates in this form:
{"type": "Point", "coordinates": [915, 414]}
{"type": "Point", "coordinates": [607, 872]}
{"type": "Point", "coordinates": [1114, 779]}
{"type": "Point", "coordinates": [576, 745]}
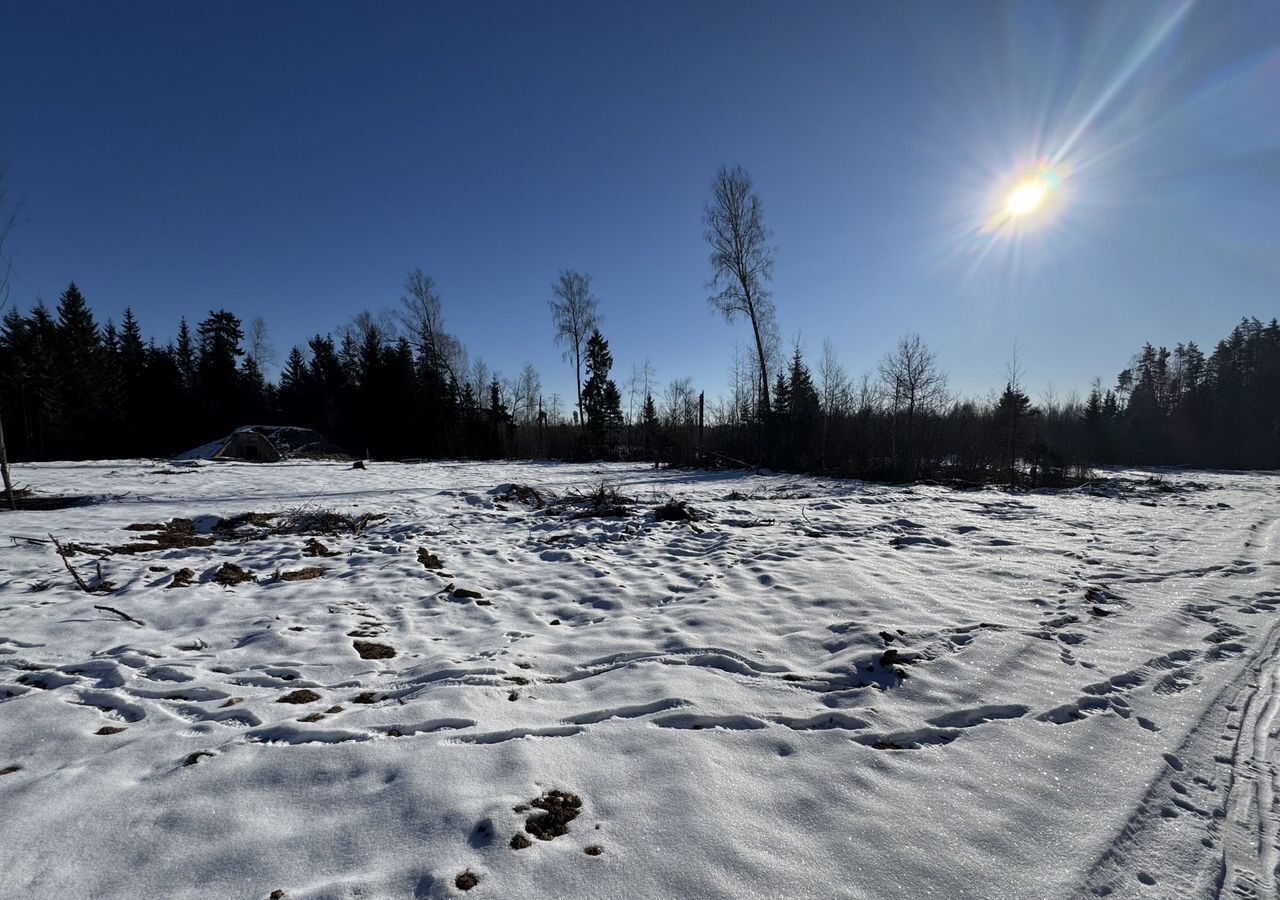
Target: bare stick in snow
{"type": "Point", "coordinates": [102, 587]}
{"type": "Point", "coordinates": [123, 615]}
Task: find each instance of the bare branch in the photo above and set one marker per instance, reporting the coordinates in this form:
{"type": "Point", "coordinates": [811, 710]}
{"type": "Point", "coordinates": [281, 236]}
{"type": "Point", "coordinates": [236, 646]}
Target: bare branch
{"type": "Point", "coordinates": [123, 615]}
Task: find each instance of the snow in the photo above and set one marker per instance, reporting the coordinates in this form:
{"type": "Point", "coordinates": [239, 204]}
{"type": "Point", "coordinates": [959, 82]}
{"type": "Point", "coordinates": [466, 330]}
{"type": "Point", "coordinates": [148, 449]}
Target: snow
{"type": "Point", "coordinates": [1091, 690]}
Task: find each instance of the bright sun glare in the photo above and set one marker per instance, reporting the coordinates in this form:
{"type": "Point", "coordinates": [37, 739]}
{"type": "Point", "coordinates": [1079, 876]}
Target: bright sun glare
{"type": "Point", "coordinates": [1034, 193]}
{"type": "Point", "coordinates": [1026, 197]}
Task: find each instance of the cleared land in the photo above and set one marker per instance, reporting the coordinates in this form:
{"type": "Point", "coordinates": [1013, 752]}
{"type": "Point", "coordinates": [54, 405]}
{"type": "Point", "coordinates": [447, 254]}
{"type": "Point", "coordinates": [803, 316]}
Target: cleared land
{"type": "Point", "coordinates": [516, 680]}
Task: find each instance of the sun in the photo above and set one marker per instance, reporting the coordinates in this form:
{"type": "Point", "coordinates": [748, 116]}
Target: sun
{"type": "Point", "coordinates": [1027, 197]}
{"type": "Point", "coordinates": [1031, 198]}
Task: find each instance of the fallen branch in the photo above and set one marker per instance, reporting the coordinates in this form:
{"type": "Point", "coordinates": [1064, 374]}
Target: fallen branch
{"type": "Point", "coordinates": [123, 615]}
{"type": "Point", "coordinates": [102, 587]}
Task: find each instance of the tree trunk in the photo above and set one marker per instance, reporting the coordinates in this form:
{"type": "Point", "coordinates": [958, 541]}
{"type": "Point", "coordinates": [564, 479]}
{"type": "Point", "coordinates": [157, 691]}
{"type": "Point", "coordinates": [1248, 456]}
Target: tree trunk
{"type": "Point", "coordinates": [577, 371]}
{"type": "Point", "coordinates": [4, 470]}
{"type": "Point", "coordinates": [764, 388]}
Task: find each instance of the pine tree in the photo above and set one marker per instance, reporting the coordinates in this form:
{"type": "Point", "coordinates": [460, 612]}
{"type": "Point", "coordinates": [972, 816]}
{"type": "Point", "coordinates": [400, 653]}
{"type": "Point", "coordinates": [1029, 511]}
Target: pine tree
{"type": "Point", "coordinates": [601, 399]}
{"type": "Point", "coordinates": [649, 424]}
{"type": "Point", "coordinates": [220, 384]}
{"type": "Point", "coordinates": [185, 355]}
{"type": "Point", "coordinates": [1014, 407]}
{"type": "Point", "coordinates": [80, 357]}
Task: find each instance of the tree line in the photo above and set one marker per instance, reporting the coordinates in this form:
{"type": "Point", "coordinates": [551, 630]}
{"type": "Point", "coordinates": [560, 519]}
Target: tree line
{"type": "Point", "coordinates": [401, 386]}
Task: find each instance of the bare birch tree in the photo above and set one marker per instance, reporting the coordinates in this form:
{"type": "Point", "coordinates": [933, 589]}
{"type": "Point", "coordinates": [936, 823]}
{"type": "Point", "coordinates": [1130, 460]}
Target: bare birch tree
{"type": "Point", "coordinates": [915, 385]}
{"type": "Point", "coordinates": [259, 346]}
{"type": "Point", "coordinates": [575, 312]}
{"type": "Point", "coordinates": [741, 261]}
{"type": "Point", "coordinates": [833, 385]}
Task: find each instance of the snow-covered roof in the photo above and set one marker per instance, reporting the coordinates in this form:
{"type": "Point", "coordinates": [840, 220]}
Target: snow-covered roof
{"type": "Point", "coordinates": [287, 440]}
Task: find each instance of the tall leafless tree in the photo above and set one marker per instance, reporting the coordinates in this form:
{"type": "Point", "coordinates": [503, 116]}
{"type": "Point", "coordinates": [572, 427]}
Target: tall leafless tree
{"type": "Point", "coordinates": [260, 349]}
{"type": "Point", "coordinates": [833, 385]}
{"type": "Point", "coordinates": [526, 392]}
{"type": "Point", "coordinates": [423, 317]}
{"type": "Point", "coordinates": [575, 312]}
{"type": "Point", "coordinates": [741, 261]}
{"type": "Point", "coordinates": [7, 218]}
{"type": "Point", "coordinates": [915, 385]}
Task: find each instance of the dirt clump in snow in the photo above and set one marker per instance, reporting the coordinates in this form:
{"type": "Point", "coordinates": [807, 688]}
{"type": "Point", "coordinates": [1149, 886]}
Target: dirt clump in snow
{"type": "Point", "coordinates": [520, 842]}
{"type": "Point", "coordinates": [305, 574]}
{"type": "Point", "coordinates": [193, 758]}
{"type": "Point", "coordinates": [371, 650]}
{"type": "Point", "coordinates": [109, 729]}
{"type": "Point", "coordinates": [466, 594]}
{"type": "Point", "coordinates": [9, 770]}
{"type": "Point", "coordinates": [176, 534]}
{"type": "Point", "coordinates": [428, 559]}
{"type": "Point", "coordinates": [184, 577]}
{"type": "Point", "coordinates": [230, 575]}
{"type": "Point", "coordinates": [559, 809]}
{"type": "Point", "coordinates": [365, 697]}
{"type": "Point", "coordinates": [313, 547]}
{"type": "Point", "coordinates": [302, 695]}
{"type": "Point", "coordinates": [467, 880]}
{"type": "Point", "coordinates": [251, 519]}
{"type": "Point", "coordinates": [593, 850]}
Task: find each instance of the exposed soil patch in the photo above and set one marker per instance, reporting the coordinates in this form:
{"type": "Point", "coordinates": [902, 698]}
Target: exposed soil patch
{"type": "Point", "coordinates": [370, 650]}
{"type": "Point", "coordinates": [251, 519]}
{"type": "Point", "coordinates": [520, 842]}
{"type": "Point", "coordinates": [302, 574]}
{"type": "Point", "coordinates": [313, 547]}
{"type": "Point", "coordinates": [193, 758]}
{"type": "Point", "coordinates": [230, 575]}
{"type": "Point", "coordinates": [302, 695]}
{"type": "Point", "coordinates": [109, 729]}
{"type": "Point", "coordinates": [593, 850]}
{"type": "Point", "coordinates": [365, 697]}
{"type": "Point", "coordinates": [465, 594]}
{"type": "Point", "coordinates": [314, 717]}
{"type": "Point", "coordinates": [176, 534]}
{"type": "Point", "coordinates": [559, 809]}
{"type": "Point", "coordinates": [429, 559]}
{"type": "Point", "coordinates": [9, 770]}
{"type": "Point", "coordinates": [182, 578]}
{"type": "Point", "coordinates": [467, 880]}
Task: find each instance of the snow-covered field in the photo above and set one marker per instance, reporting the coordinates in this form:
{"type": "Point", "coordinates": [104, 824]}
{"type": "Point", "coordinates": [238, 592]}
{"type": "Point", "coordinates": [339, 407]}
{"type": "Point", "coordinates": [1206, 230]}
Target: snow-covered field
{"type": "Point", "coordinates": [821, 689]}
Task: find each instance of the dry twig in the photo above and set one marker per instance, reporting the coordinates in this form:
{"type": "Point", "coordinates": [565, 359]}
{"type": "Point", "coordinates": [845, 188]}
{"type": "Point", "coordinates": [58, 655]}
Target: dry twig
{"type": "Point", "coordinates": [123, 615]}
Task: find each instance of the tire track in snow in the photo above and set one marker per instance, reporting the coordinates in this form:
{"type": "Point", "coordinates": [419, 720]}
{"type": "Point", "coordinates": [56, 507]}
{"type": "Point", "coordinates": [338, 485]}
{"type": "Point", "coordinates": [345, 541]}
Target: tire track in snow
{"type": "Point", "coordinates": [1249, 846]}
{"type": "Point", "coordinates": [1249, 852]}
{"type": "Point", "coordinates": [1199, 829]}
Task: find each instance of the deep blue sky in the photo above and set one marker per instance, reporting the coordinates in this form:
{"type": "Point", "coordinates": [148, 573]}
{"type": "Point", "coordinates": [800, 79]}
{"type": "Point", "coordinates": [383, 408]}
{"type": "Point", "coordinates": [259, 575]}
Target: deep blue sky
{"type": "Point", "coordinates": [295, 160]}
